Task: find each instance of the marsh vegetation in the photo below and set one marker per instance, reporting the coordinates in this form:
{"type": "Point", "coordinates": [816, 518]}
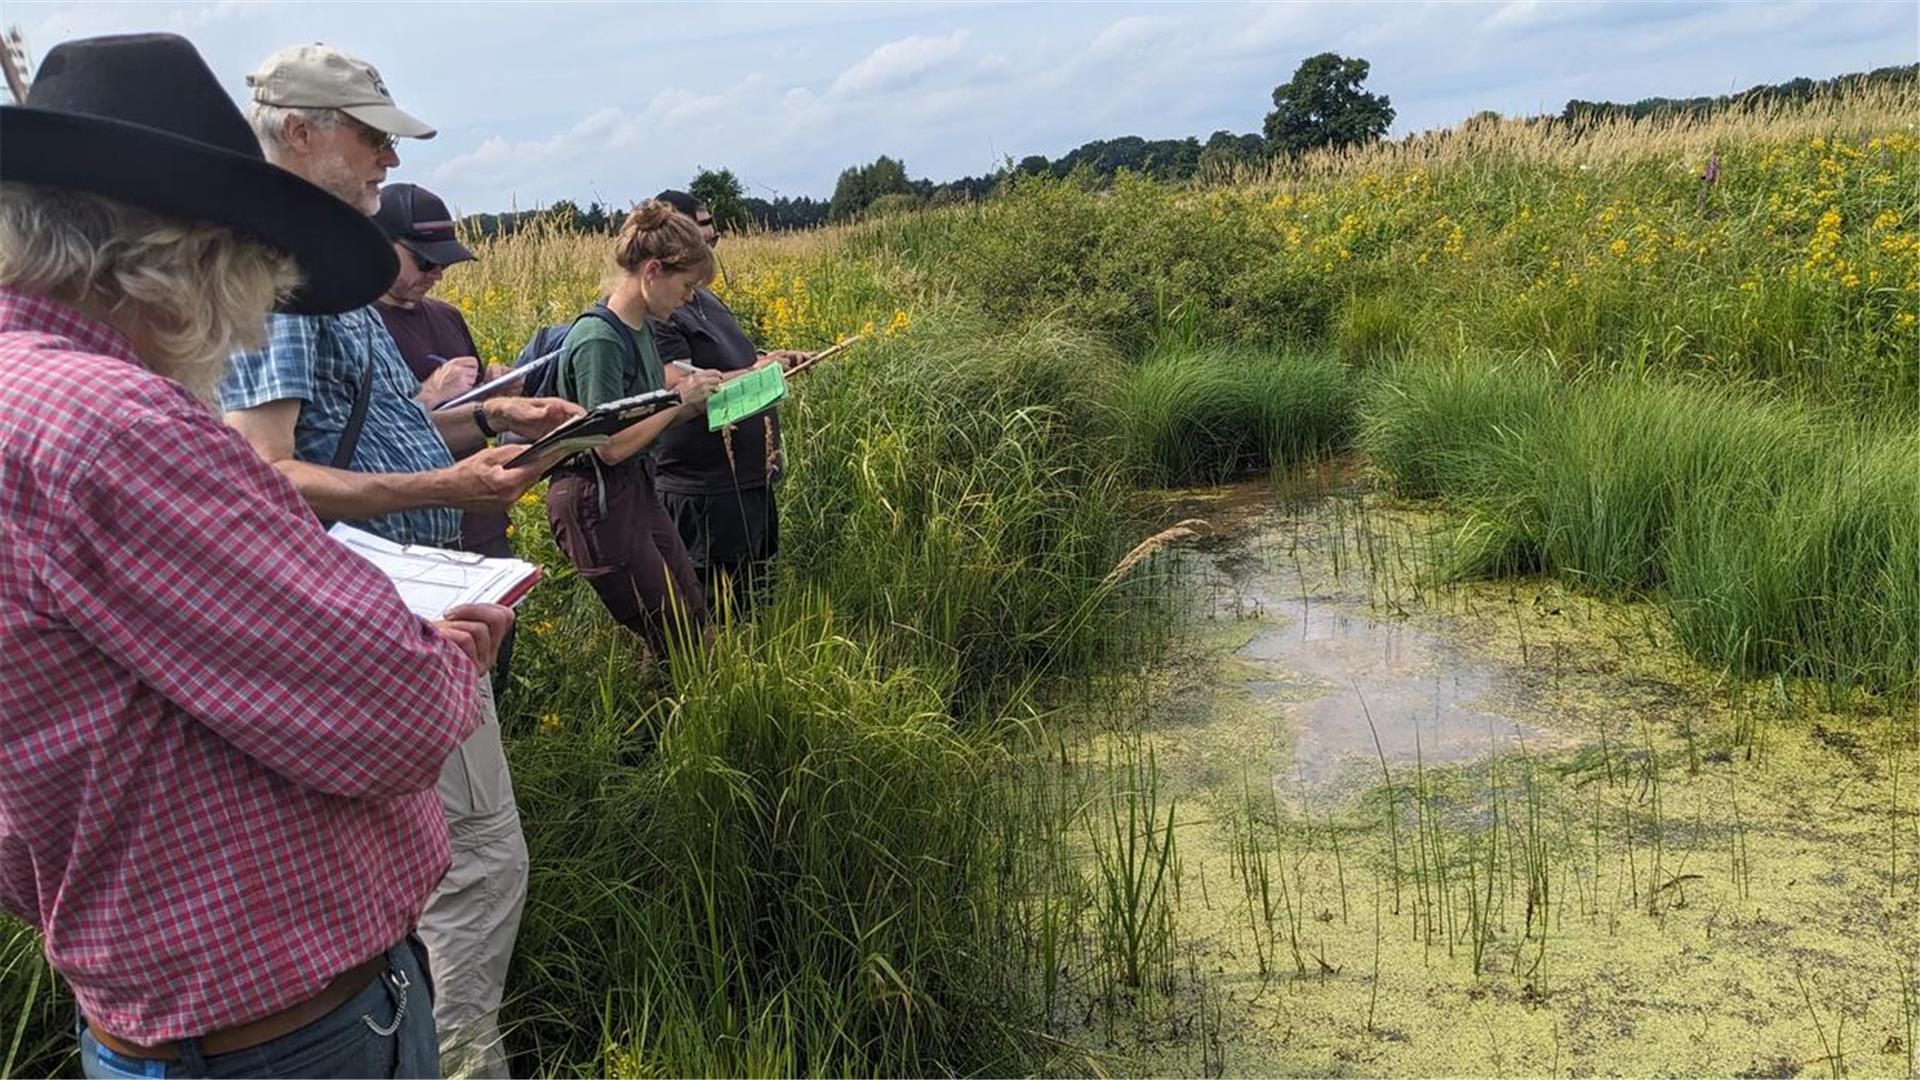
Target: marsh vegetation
{"type": "Point", "coordinates": [1584, 487]}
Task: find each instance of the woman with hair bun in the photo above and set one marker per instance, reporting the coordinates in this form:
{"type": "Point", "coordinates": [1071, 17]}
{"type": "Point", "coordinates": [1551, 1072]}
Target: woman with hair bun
{"type": "Point", "coordinates": [602, 503]}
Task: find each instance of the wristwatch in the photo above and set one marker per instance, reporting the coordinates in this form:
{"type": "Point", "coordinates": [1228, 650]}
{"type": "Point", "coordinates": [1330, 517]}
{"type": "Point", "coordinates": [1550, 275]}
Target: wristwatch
{"type": "Point", "coordinates": [480, 421]}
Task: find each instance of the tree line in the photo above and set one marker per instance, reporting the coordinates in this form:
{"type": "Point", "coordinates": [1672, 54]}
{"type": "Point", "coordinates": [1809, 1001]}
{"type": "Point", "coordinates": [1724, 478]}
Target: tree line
{"type": "Point", "coordinates": [1766, 94]}
{"type": "Point", "coordinates": [1323, 105]}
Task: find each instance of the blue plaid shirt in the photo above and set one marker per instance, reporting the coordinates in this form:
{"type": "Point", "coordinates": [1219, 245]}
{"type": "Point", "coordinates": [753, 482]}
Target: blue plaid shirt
{"type": "Point", "coordinates": [319, 361]}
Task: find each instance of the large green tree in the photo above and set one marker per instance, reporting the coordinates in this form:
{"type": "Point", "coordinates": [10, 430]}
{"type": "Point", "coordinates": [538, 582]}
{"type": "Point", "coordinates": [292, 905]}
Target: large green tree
{"type": "Point", "coordinates": [720, 190]}
{"type": "Point", "coordinates": [859, 186]}
{"type": "Point", "coordinates": [1324, 105]}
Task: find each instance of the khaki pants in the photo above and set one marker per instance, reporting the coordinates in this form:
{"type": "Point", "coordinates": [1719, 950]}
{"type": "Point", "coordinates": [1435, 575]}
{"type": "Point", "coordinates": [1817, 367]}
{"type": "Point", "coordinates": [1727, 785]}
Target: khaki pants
{"type": "Point", "coordinates": [471, 919]}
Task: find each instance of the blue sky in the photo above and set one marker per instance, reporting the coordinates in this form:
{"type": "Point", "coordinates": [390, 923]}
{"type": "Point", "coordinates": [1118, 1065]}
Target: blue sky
{"type": "Point", "coordinates": [541, 101]}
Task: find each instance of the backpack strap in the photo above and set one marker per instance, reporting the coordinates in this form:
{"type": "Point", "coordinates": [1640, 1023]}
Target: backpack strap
{"type": "Point", "coordinates": [605, 314]}
{"type": "Point", "coordinates": [357, 419]}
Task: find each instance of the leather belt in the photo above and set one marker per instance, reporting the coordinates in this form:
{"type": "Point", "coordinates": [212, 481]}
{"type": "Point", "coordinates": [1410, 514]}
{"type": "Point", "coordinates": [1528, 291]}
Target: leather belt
{"type": "Point", "coordinates": [254, 1033]}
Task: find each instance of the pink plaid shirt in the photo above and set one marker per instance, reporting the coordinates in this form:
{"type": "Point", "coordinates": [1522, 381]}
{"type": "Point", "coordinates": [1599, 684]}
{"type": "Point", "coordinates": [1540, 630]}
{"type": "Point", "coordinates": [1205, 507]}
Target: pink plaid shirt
{"type": "Point", "coordinates": [219, 730]}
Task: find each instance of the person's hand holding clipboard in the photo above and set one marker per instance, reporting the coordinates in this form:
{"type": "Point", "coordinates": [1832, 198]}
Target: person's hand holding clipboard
{"type": "Point", "coordinates": [593, 428]}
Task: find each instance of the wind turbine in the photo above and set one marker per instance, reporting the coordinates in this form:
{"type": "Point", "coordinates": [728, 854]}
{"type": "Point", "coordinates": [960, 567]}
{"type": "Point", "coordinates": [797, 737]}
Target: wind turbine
{"type": "Point", "coordinates": [13, 58]}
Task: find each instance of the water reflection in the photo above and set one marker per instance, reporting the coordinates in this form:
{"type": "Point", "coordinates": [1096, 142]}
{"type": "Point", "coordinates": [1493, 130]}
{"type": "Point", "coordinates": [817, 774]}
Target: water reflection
{"type": "Point", "coordinates": [1325, 663]}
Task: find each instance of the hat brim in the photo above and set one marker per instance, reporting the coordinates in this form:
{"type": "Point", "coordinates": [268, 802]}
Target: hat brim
{"type": "Point", "coordinates": [345, 261]}
{"type": "Point", "coordinates": [444, 252]}
{"type": "Point", "coordinates": [391, 119]}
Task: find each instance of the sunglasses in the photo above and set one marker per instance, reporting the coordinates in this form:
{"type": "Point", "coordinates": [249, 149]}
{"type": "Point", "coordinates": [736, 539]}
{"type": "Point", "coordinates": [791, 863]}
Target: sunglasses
{"type": "Point", "coordinates": [378, 141]}
{"type": "Point", "coordinates": [422, 263]}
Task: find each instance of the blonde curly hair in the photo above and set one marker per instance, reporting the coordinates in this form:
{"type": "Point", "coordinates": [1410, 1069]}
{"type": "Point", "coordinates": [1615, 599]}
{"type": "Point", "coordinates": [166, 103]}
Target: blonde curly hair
{"type": "Point", "coordinates": [187, 294]}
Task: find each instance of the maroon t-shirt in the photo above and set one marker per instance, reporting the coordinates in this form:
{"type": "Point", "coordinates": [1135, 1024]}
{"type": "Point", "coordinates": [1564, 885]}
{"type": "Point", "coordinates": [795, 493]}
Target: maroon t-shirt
{"type": "Point", "coordinates": [428, 328]}
{"type": "Point", "coordinates": [435, 328]}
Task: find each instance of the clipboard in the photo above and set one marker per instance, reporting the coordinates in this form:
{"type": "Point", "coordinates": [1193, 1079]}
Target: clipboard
{"type": "Point", "coordinates": [749, 395]}
{"type": "Point", "coordinates": [597, 425]}
{"type": "Point", "coordinates": [432, 581]}
{"type": "Point", "coordinates": [493, 386]}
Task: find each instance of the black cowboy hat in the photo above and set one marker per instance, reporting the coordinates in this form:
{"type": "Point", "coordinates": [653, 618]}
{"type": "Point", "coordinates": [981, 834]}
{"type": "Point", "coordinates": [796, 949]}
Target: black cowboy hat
{"type": "Point", "coordinates": [139, 118]}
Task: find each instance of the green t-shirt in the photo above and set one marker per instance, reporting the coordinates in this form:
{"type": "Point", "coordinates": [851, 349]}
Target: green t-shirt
{"type": "Point", "coordinates": [593, 364]}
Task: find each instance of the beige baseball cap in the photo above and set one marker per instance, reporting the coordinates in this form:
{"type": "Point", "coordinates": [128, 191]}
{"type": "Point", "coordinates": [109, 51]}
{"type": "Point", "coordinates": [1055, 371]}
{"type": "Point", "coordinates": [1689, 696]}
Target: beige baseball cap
{"type": "Point", "coordinates": [320, 76]}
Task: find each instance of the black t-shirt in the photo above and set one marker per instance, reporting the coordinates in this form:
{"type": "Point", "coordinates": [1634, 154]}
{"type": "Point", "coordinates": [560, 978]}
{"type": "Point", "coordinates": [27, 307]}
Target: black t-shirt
{"type": "Point", "coordinates": [692, 460]}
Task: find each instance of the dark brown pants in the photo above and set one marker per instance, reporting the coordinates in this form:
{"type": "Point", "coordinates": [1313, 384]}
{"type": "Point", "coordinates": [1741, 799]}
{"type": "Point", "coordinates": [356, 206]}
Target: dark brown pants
{"type": "Point", "coordinates": [626, 547]}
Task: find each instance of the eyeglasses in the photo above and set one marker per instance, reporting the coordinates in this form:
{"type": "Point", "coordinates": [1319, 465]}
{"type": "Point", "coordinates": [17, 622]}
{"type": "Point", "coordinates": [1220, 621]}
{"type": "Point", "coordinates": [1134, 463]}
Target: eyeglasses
{"type": "Point", "coordinates": [422, 263]}
{"type": "Point", "coordinates": [378, 141]}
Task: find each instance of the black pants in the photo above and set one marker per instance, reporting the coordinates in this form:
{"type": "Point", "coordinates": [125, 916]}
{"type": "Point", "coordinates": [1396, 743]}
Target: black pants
{"type": "Point", "coordinates": [730, 538]}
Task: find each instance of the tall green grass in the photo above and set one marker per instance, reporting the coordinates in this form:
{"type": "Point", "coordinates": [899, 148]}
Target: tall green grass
{"type": "Point", "coordinates": [1784, 538]}
{"type": "Point", "coordinates": [1195, 415]}
{"type": "Point", "coordinates": [1450, 428]}
{"type": "Point", "coordinates": [775, 869]}
{"type": "Point", "coordinates": [1816, 573]}
{"type": "Point", "coordinates": [1602, 249]}
{"type": "Point", "coordinates": [785, 854]}
{"type": "Point", "coordinates": [36, 1013]}
{"type": "Point", "coordinates": [958, 491]}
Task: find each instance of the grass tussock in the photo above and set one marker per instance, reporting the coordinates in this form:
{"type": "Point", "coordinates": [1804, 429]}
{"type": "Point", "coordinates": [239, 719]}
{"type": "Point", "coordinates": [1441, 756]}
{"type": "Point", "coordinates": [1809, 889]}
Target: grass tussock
{"type": "Point", "coordinates": [1202, 415]}
{"type": "Point", "coordinates": [1820, 577]}
{"type": "Point", "coordinates": [1784, 539]}
{"type": "Point", "coordinates": [958, 490]}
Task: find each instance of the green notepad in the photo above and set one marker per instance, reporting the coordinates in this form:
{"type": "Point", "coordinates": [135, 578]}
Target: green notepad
{"type": "Point", "coordinates": [755, 392]}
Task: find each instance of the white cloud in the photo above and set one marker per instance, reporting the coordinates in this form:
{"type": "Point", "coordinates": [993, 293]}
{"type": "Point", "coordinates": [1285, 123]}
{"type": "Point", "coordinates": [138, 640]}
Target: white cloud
{"type": "Point", "coordinates": [898, 65]}
{"type": "Point", "coordinates": [1134, 33]}
{"type": "Point", "coordinates": [531, 110]}
{"type": "Point", "coordinates": [1522, 13]}
{"type": "Point", "coordinates": [675, 107]}
{"type": "Point", "coordinates": [219, 11]}
{"type": "Point", "coordinates": [516, 163]}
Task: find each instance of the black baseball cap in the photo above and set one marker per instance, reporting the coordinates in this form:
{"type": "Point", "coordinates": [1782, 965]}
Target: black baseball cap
{"type": "Point", "coordinates": [419, 221]}
{"type": "Point", "coordinates": [680, 201]}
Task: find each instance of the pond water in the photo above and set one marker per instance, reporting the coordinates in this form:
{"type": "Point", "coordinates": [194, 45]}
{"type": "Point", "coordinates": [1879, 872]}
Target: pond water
{"type": "Point", "coordinates": [1356, 688]}
{"type": "Point", "coordinates": [1350, 678]}
{"type": "Point", "coordinates": [1594, 856]}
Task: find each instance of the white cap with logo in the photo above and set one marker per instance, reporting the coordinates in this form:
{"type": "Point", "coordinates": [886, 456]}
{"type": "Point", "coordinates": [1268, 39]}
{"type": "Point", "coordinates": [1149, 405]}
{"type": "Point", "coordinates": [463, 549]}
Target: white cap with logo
{"type": "Point", "coordinates": [322, 77]}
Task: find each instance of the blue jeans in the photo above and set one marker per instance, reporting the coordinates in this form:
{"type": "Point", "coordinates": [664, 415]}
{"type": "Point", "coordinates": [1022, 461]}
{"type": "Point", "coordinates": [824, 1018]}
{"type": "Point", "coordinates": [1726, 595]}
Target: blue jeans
{"type": "Point", "coordinates": [384, 1030]}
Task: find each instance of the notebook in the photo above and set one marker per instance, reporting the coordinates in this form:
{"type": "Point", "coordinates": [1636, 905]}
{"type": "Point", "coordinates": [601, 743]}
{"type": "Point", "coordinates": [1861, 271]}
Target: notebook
{"type": "Point", "coordinates": [432, 580]}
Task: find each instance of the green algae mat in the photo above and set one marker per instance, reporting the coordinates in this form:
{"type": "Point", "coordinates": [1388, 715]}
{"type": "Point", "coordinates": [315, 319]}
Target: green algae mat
{"type": "Point", "coordinates": [1422, 827]}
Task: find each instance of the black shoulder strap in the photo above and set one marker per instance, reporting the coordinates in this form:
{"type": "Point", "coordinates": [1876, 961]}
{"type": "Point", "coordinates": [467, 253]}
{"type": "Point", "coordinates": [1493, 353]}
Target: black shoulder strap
{"type": "Point", "coordinates": [350, 435]}
{"type": "Point", "coordinates": [606, 315]}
